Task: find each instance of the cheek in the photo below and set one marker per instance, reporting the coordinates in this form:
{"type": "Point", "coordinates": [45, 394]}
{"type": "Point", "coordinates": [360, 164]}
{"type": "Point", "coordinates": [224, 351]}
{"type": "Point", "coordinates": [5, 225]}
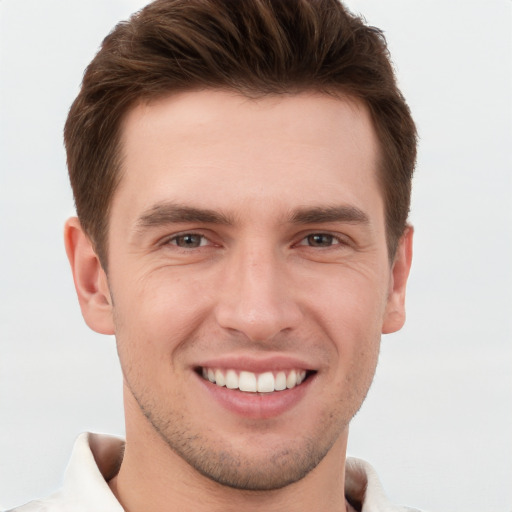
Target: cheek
{"type": "Point", "coordinates": [155, 317]}
{"type": "Point", "coordinates": [353, 304]}
{"type": "Point", "coordinates": [352, 314]}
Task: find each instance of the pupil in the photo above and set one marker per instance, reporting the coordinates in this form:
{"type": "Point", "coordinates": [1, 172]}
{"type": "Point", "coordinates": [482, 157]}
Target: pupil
{"type": "Point", "coordinates": [189, 241]}
{"type": "Point", "coordinates": [320, 240]}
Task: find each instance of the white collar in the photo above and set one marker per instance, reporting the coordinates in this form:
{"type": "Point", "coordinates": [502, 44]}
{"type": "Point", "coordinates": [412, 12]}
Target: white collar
{"type": "Point", "coordinates": [96, 458]}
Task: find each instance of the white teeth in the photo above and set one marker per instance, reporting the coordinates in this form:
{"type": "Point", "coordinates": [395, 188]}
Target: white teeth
{"type": "Point", "coordinates": [280, 381]}
{"type": "Point", "coordinates": [247, 382]}
{"type": "Point", "coordinates": [231, 379]}
{"type": "Point", "coordinates": [219, 378]}
{"type": "Point", "coordinates": [266, 383]}
{"type": "Point", "coordinates": [291, 380]}
{"type": "Point", "coordinates": [250, 382]}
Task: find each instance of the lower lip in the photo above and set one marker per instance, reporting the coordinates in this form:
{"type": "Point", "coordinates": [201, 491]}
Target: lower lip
{"type": "Point", "coordinates": [257, 405]}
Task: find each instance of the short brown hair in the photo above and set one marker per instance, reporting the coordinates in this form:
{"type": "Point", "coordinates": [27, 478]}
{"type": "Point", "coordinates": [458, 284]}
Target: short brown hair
{"type": "Point", "coordinates": [255, 47]}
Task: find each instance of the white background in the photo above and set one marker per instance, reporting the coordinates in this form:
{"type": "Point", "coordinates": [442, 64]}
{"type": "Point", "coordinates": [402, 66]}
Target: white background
{"type": "Point", "coordinates": [437, 424]}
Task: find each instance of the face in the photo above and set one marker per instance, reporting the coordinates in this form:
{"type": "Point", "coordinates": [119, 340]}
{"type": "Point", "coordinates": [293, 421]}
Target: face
{"type": "Point", "coordinates": [249, 281]}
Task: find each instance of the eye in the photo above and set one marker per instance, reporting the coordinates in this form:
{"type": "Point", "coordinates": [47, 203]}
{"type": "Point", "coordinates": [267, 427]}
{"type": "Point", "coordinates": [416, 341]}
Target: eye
{"type": "Point", "coordinates": [320, 240]}
{"type": "Point", "coordinates": [188, 241]}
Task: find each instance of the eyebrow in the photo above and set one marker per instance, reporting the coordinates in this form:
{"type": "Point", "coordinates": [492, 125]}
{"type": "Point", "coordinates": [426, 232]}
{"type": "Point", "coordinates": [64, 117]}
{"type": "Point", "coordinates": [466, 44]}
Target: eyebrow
{"type": "Point", "coordinates": [348, 214]}
{"type": "Point", "coordinates": [168, 213]}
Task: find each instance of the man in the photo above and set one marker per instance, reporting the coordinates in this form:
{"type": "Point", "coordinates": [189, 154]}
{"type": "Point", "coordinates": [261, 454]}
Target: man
{"type": "Point", "coordinates": [241, 173]}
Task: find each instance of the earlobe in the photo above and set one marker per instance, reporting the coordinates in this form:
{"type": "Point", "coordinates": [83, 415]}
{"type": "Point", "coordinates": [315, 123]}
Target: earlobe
{"type": "Point", "coordinates": [394, 317]}
{"type": "Point", "coordinates": [90, 279]}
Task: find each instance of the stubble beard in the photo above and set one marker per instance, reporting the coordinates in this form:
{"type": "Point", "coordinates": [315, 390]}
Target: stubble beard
{"type": "Point", "coordinates": [223, 464]}
{"type": "Point", "coordinates": [214, 457]}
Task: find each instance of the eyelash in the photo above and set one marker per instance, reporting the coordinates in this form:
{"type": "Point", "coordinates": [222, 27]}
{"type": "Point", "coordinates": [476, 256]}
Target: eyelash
{"type": "Point", "coordinates": [173, 240]}
{"type": "Point", "coordinates": [333, 240]}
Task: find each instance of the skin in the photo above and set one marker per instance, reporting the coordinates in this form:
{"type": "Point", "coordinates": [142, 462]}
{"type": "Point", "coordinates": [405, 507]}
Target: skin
{"type": "Point", "coordinates": [262, 275]}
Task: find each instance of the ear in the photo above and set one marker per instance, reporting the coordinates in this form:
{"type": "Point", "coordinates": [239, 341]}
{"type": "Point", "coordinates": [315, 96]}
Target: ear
{"type": "Point", "coordinates": [90, 279]}
{"type": "Point", "coordinates": [394, 317]}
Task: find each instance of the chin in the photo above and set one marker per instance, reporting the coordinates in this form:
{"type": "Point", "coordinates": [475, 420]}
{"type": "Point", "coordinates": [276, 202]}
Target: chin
{"type": "Point", "coordinates": [249, 472]}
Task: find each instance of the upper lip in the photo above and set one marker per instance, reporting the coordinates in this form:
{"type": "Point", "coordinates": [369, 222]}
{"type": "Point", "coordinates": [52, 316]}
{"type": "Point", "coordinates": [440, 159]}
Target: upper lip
{"type": "Point", "coordinates": [257, 364]}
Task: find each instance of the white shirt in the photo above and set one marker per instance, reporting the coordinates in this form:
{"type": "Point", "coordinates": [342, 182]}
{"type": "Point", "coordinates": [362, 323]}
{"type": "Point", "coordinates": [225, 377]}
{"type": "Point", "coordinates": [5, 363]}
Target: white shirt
{"type": "Point", "coordinates": [94, 457]}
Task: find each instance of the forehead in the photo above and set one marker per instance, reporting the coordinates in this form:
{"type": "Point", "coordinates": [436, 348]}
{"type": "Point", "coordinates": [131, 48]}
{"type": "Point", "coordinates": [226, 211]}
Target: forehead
{"type": "Point", "coordinates": [211, 147]}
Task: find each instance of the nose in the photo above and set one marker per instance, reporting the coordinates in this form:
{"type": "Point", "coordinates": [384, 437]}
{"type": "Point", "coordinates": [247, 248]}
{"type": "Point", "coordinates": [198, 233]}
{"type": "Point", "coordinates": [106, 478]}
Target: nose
{"type": "Point", "coordinates": [258, 298]}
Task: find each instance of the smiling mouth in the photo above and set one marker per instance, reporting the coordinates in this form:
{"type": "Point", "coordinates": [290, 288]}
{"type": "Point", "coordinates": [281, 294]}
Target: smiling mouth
{"type": "Point", "coordinates": [249, 382]}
